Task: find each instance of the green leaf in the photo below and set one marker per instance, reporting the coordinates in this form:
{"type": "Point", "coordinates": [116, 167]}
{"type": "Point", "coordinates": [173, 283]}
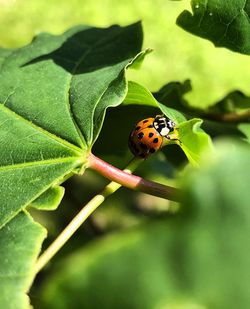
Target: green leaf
{"type": "Point", "coordinates": [194, 141]}
{"type": "Point", "coordinates": [139, 95]}
{"type": "Point", "coordinates": [20, 243]}
{"type": "Point", "coordinates": [54, 94]}
{"type": "Point", "coordinates": [245, 129]}
{"type": "Point", "coordinates": [189, 259]}
{"type": "Point", "coordinates": [137, 63]}
{"type": "Point", "coordinates": [225, 23]}
{"type": "Point", "coordinates": [4, 53]}
{"type": "Point", "coordinates": [50, 199]}
{"type": "Point", "coordinates": [32, 159]}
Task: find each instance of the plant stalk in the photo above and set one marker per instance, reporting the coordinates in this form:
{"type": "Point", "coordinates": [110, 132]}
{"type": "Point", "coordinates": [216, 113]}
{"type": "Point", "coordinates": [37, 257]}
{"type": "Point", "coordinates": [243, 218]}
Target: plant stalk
{"type": "Point", "coordinates": [132, 181]}
{"type": "Point", "coordinates": [119, 178]}
{"type": "Point", "coordinates": [228, 117]}
{"type": "Point", "coordinates": [79, 219]}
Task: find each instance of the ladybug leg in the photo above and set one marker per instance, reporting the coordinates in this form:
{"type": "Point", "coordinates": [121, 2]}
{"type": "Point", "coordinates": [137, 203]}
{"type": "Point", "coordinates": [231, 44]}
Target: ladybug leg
{"type": "Point", "coordinates": [173, 138]}
{"type": "Point", "coordinates": [162, 115]}
{"type": "Point", "coordinates": [177, 139]}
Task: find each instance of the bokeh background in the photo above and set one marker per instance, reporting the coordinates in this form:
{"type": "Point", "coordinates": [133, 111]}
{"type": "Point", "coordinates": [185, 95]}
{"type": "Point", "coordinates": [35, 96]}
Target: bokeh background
{"type": "Point", "coordinates": [128, 269]}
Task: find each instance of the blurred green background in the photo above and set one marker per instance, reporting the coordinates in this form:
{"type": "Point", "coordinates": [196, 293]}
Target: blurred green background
{"type": "Point", "coordinates": [177, 55]}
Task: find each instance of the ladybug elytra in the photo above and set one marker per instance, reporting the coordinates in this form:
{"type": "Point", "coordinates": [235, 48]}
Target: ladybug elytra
{"type": "Point", "coordinates": [148, 135]}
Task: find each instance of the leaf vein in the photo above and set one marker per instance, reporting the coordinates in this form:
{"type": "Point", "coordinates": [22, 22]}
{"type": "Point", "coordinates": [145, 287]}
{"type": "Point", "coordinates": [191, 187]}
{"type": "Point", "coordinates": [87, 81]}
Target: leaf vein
{"type": "Point", "coordinates": [40, 162]}
{"type": "Point", "coordinates": [103, 39]}
{"type": "Point", "coordinates": [43, 131]}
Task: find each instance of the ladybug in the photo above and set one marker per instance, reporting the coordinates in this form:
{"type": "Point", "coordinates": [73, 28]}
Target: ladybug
{"type": "Point", "coordinates": [148, 135]}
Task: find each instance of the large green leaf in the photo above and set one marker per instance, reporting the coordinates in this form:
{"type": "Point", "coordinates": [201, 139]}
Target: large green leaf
{"type": "Point", "coordinates": [198, 259]}
{"type": "Point", "coordinates": [20, 243]}
{"type": "Point", "coordinates": [54, 94]}
{"type": "Point", "coordinates": [225, 23]}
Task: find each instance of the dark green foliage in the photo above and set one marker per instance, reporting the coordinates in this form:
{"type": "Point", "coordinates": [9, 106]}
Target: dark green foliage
{"type": "Point", "coordinates": [20, 243]}
{"type": "Point", "coordinates": [225, 23]}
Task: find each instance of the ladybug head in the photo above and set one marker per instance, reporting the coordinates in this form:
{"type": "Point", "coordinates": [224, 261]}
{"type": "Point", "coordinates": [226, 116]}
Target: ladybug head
{"type": "Point", "coordinates": [170, 124]}
{"type": "Point", "coordinates": [163, 125]}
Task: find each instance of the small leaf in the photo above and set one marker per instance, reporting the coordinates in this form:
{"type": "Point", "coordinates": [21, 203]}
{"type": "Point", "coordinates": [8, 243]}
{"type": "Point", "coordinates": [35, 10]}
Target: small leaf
{"type": "Point", "coordinates": [50, 199]}
{"type": "Point", "coordinates": [138, 60]}
{"type": "Point", "coordinates": [139, 95]}
{"type": "Point", "coordinates": [194, 141]}
{"type": "Point", "coordinates": [245, 129]}
{"type": "Point", "coordinates": [20, 243]}
{"type": "Point", "coordinates": [225, 23]}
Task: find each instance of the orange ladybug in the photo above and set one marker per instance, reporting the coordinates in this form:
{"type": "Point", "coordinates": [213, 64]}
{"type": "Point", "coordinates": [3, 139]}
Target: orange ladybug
{"type": "Point", "coordinates": [147, 137]}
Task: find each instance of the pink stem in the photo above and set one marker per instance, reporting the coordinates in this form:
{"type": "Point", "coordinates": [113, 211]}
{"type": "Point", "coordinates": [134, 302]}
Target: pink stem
{"type": "Point", "coordinates": [131, 181]}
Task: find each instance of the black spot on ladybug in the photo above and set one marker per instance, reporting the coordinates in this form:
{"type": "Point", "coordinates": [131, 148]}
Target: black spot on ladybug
{"type": "Point", "coordinates": [133, 147]}
{"type": "Point", "coordinates": [151, 134]}
{"type": "Point", "coordinates": [150, 126]}
{"type": "Point", "coordinates": [145, 121]}
{"type": "Point", "coordinates": [137, 128]}
{"type": "Point", "coordinates": [143, 146]}
{"type": "Point", "coordinates": [152, 150]}
{"type": "Point", "coordinates": [140, 135]}
{"type": "Point", "coordinates": [133, 144]}
{"type": "Point", "coordinates": [155, 140]}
